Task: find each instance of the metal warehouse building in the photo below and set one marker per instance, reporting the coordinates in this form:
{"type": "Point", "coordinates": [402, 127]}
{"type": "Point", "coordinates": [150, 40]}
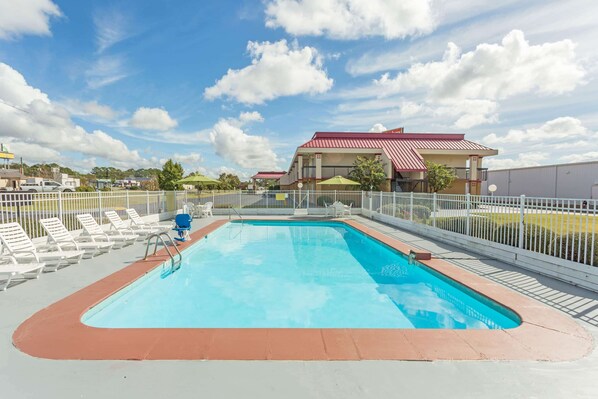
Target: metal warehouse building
{"type": "Point", "coordinates": [573, 180]}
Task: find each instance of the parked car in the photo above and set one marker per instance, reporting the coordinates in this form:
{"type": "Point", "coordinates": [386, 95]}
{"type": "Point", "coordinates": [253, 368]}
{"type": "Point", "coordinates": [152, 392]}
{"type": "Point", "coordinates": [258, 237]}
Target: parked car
{"type": "Point", "coordinates": [45, 186]}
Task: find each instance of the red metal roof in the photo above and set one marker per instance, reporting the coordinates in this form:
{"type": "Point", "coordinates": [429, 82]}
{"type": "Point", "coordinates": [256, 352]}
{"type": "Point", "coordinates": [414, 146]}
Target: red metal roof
{"type": "Point", "coordinates": [401, 148]}
{"type": "Point", "coordinates": [268, 175]}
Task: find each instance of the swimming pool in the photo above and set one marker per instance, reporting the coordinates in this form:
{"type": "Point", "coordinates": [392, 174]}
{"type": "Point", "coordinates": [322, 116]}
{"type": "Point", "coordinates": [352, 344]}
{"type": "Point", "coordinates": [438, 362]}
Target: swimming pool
{"type": "Point", "coordinates": [286, 274]}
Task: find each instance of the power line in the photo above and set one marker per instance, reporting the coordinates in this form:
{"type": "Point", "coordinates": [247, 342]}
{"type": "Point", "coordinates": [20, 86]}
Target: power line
{"type": "Point", "coordinates": [13, 106]}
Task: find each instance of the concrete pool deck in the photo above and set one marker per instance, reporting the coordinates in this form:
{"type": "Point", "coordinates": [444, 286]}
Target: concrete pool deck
{"type": "Point", "coordinates": [25, 376]}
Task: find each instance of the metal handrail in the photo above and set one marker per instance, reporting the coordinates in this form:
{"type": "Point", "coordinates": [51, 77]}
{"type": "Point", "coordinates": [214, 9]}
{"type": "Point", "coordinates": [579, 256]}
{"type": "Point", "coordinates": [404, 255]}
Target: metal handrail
{"type": "Point", "coordinates": [238, 214]}
{"type": "Point", "coordinates": [158, 236]}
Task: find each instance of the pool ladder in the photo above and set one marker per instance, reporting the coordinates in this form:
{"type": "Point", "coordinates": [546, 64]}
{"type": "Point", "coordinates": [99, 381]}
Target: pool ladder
{"type": "Point", "coordinates": [175, 264]}
{"type": "Point", "coordinates": [230, 208]}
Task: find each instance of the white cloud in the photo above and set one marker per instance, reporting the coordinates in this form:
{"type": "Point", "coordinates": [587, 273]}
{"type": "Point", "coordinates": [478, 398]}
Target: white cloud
{"type": "Point", "coordinates": [105, 71]}
{"type": "Point", "coordinates": [493, 71]}
{"type": "Point", "coordinates": [190, 160]}
{"type": "Point", "coordinates": [90, 108]}
{"type": "Point", "coordinates": [351, 19]}
{"type": "Point", "coordinates": [34, 153]}
{"type": "Point", "coordinates": [276, 70]}
{"type": "Point", "coordinates": [466, 89]}
{"type": "Point", "coordinates": [111, 27]}
{"type": "Point", "coordinates": [560, 128]}
{"type": "Point", "coordinates": [27, 116]}
{"type": "Point", "coordinates": [378, 128]}
{"type": "Point", "coordinates": [232, 143]}
{"type": "Point", "coordinates": [152, 119]}
{"type": "Point", "coordinates": [247, 117]}
{"type": "Point", "coordinates": [26, 17]}
{"type": "Point", "coordinates": [587, 156]}
{"type": "Point", "coordinates": [523, 160]}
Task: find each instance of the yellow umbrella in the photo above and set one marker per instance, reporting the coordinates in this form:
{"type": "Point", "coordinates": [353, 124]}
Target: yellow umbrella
{"type": "Point", "coordinates": [339, 181]}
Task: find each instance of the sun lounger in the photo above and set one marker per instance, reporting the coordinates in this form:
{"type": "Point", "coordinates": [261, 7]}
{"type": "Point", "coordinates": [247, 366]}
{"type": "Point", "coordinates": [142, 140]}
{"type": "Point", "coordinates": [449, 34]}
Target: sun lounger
{"type": "Point", "coordinates": [92, 229]}
{"type": "Point", "coordinates": [59, 235]}
{"type": "Point", "coordinates": [138, 223]}
{"type": "Point", "coordinates": [10, 269]}
{"type": "Point", "coordinates": [116, 223]}
{"type": "Point", "coordinates": [18, 244]}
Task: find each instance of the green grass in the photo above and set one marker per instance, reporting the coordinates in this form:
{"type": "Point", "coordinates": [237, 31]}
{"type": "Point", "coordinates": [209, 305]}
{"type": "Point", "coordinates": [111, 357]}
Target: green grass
{"type": "Point", "coordinates": [560, 223]}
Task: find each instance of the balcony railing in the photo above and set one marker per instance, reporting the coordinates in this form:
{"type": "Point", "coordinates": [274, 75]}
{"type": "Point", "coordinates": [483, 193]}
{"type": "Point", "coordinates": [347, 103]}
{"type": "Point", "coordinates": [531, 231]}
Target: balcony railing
{"type": "Point", "coordinates": [464, 173]}
{"type": "Point", "coordinates": [309, 172]}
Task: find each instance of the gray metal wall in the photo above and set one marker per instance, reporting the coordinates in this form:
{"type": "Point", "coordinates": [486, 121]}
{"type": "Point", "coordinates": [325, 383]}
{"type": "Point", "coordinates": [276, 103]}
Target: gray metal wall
{"type": "Point", "coordinates": [553, 181]}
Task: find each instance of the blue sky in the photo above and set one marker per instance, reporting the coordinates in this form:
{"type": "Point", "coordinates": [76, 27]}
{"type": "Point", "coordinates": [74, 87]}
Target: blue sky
{"type": "Point", "coordinates": [236, 86]}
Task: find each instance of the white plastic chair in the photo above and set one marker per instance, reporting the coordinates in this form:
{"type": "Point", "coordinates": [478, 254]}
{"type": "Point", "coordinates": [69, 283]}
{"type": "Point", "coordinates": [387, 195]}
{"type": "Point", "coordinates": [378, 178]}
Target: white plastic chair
{"type": "Point", "coordinates": [207, 210]}
{"type": "Point", "coordinates": [92, 229]}
{"type": "Point", "coordinates": [118, 224]}
{"type": "Point", "coordinates": [10, 269]}
{"type": "Point", "coordinates": [138, 223]}
{"type": "Point", "coordinates": [18, 244]}
{"type": "Point", "coordinates": [58, 234]}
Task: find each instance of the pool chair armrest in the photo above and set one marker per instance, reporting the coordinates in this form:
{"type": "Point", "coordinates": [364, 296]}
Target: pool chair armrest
{"type": "Point", "coordinates": [68, 244]}
{"type": "Point", "coordinates": [9, 258]}
{"type": "Point", "coordinates": [51, 247]}
{"type": "Point", "coordinates": [97, 237]}
{"type": "Point", "coordinates": [34, 255]}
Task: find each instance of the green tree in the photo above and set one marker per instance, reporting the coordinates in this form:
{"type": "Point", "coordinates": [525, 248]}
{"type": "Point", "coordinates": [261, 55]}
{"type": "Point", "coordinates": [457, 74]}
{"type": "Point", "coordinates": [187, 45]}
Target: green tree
{"type": "Point", "coordinates": [228, 181]}
{"type": "Point", "coordinates": [369, 172]}
{"type": "Point", "coordinates": [440, 177]}
{"type": "Point", "coordinates": [171, 172]}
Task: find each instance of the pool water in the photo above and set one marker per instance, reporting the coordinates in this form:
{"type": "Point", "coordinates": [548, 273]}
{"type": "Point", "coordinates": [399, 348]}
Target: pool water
{"type": "Point", "coordinates": [276, 274]}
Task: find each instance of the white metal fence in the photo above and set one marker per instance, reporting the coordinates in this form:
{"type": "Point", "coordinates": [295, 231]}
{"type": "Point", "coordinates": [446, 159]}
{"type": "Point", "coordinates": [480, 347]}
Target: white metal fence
{"type": "Point", "coordinates": [29, 208]}
{"type": "Point", "coordinates": [275, 200]}
{"type": "Point", "coordinates": [561, 228]}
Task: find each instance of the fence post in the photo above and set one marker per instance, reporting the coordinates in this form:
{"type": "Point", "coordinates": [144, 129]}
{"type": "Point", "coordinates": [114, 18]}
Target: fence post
{"type": "Point", "coordinates": [394, 204]}
{"type": "Point", "coordinates": [60, 205]}
{"type": "Point", "coordinates": [370, 198]}
{"type": "Point", "coordinates": [307, 201]}
{"type": "Point", "coordinates": [521, 220]}
{"type": "Point", "coordinates": [147, 205]}
{"type": "Point", "coordinates": [127, 199]}
{"type": "Point", "coordinates": [186, 199]}
{"type": "Point", "coordinates": [362, 201]}
{"type": "Point", "coordinates": [411, 206]}
{"type": "Point", "coordinates": [381, 200]}
{"type": "Point", "coordinates": [334, 195]}
{"type": "Point", "coordinates": [100, 205]}
{"type": "Point", "coordinates": [240, 199]}
{"type": "Point", "coordinates": [468, 214]}
{"type": "Point", "coordinates": [434, 207]}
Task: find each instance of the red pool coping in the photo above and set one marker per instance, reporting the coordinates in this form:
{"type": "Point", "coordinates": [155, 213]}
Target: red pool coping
{"type": "Point", "coordinates": [56, 332]}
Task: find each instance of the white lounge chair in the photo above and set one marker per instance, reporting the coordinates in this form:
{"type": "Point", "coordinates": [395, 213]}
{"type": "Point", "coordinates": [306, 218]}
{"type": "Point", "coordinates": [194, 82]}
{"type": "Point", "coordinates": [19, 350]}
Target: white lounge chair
{"type": "Point", "coordinates": [18, 244]}
{"type": "Point", "coordinates": [92, 229]}
{"type": "Point", "coordinates": [59, 235]}
{"type": "Point", "coordinates": [140, 224]}
{"type": "Point", "coordinates": [11, 269]}
{"type": "Point", "coordinates": [117, 224]}
{"type": "Point", "coordinates": [207, 209]}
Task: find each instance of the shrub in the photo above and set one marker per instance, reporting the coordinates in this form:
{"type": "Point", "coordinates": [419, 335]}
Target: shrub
{"type": "Point", "coordinates": [480, 227]}
{"type": "Point", "coordinates": [324, 198]}
{"type": "Point", "coordinates": [134, 188]}
{"type": "Point", "coordinates": [536, 238]}
{"type": "Point", "coordinates": [85, 189]}
{"type": "Point", "coordinates": [420, 212]}
{"type": "Point", "coordinates": [573, 247]}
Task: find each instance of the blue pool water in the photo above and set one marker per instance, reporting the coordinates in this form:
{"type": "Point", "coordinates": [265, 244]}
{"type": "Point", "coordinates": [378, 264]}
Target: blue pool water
{"type": "Point", "coordinates": [277, 274]}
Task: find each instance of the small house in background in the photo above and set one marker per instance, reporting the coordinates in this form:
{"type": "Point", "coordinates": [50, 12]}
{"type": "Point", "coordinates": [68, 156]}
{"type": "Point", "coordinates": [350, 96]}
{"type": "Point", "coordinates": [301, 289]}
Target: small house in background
{"type": "Point", "coordinates": [267, 177]}
{"type": "Point", "coordinates": [100, 184]}
{"type": "Point", "coordinates": [404, 156]}
{"type": "Point", "coordinates": [65, 179]}
{"type": "Point", "coordinates": [10, 179]}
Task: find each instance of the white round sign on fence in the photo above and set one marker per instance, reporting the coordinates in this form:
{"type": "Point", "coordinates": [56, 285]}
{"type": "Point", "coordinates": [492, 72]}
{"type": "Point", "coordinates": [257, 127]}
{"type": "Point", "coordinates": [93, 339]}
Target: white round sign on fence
{"type": "Point", "coordinates": [492, 188]}
{"type": "Point", "coordinates": [300, 185]}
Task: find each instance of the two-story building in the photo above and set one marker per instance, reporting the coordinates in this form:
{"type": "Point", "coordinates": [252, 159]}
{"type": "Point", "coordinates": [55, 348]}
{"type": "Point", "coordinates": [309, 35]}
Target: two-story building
{"type": "Point", "coordinates": [404, 156]}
